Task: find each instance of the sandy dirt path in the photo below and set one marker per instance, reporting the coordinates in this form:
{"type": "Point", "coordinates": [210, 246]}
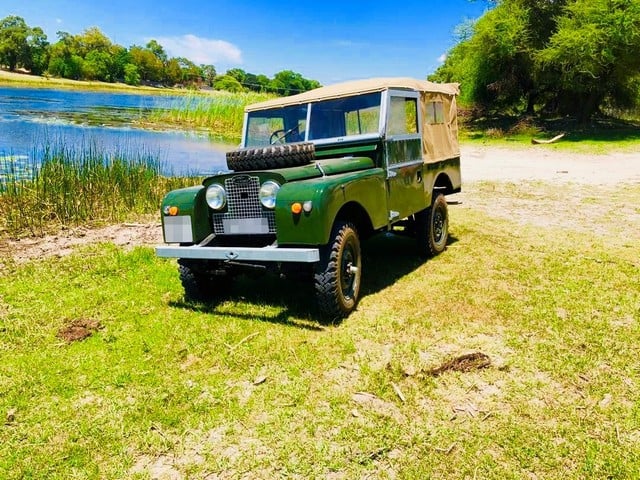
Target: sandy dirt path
{"type": "Point", "coordinates": [543, 164]}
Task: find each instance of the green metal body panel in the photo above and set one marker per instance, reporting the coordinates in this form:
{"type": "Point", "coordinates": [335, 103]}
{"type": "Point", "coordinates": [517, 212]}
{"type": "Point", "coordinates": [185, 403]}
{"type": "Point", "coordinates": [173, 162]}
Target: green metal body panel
{"type": "Point", "coordinates": [405, 178]}
{"type": "Point", "coordinates": [190, 201]}
{"type": "Point", "coordinates": [347, 150]}
{"type": "Point", "coordinates": [330, 166]}
{"type": "Point", "coordinates": [328, 194]}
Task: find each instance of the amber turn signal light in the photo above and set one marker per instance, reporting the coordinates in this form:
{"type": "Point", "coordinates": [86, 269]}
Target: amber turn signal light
{"type": "Point", "coordinates": [296, 208]}
{"type": "Point", "coordinates": [173, 211]}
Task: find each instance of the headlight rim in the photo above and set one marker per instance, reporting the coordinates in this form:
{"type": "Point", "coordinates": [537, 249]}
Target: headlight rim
{"type": "Point", "coordinates": [223, 196]}
{"type": "Point", "coordinates": [268, 200]}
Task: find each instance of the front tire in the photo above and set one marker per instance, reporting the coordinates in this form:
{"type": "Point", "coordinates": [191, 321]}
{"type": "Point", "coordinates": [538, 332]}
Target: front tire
{"type": "Point", "coordinates": [200, 285]}
{"type": "Point", "coordinates": [339, 272]}
{"type": "Point", "coordinates": [432, 227]}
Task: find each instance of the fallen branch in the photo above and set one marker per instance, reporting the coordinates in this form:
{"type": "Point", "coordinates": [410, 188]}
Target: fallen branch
{"type": "Point", "coordinates": [535, 141]}
{"type": "Point", "coordinates": [245, 339]}
{"type": "Point", "coordinates": [398, 392]}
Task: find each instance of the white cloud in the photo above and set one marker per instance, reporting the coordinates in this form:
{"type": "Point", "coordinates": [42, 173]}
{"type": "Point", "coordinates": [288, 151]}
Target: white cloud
{"type": "Point", "coordinates": [442, 58]}
{"type": "Point", "coordinates": [201, 50]}
{"type": "Point", "coordinates": [58, 21]}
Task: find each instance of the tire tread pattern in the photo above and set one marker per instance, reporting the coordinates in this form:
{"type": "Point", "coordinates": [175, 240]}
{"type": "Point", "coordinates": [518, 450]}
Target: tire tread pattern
{"type": "Point", "coordinates": [271, 156]}
{"type": "Point", "coordinates": [327, 278]}
{"type": "Point", "coordinates": [427, 247]}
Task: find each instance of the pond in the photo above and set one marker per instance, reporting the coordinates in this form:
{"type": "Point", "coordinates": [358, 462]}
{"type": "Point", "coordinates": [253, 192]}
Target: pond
{"type": "Point", "coordinates": [32, 118]}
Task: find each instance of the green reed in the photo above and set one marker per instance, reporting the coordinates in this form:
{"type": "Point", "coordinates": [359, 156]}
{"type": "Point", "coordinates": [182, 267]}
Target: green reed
{"type": "Point", "coordinates": [82, 184]}
{"type": "Point", "coordinates": [221, 113]}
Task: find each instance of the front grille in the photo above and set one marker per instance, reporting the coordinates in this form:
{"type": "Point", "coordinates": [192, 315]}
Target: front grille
{"type": "Point", "coordinates": [243, 203]}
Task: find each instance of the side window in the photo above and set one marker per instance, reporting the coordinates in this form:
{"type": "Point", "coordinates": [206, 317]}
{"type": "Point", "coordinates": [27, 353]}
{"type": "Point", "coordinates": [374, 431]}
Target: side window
{"type": "Point", "coordinates": [362, 121]}
{"type": "Point", "coordinates": [348, 116]}
{"type": "Point", "coordinates": [403, 116]}
{"type": "Point", "coordinates": [435, 113]}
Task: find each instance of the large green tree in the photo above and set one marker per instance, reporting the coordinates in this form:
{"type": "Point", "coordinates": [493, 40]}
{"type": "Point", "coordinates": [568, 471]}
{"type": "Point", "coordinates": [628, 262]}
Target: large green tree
{"type": "Point", "coordinates": [594, 56]}
{"type": "Point", "coordinates": [568, 56]}
{"type": "Point", "coordinates": [21, 45]}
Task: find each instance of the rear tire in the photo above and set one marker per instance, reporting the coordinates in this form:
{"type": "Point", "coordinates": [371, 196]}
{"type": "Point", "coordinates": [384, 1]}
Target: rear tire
{"type": "Point", "coordinates": [432, 227]}
{"type": "Point", "coordinates": [339, 272]}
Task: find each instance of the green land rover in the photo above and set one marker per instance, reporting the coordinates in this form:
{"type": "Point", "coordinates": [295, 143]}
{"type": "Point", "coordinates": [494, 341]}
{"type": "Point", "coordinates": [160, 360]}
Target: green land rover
{"type": "Point", "coordinates": [316, 174]}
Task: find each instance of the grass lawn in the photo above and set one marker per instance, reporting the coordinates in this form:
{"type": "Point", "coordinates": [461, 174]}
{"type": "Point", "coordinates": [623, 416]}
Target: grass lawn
{"type": "Point", "coordinates": [254, 387]}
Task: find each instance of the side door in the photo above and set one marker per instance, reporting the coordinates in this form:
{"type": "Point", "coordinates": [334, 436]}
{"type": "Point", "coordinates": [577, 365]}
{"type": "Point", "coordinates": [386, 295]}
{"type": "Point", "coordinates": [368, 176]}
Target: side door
{"type": "Point", "coordinates": [403, 154]}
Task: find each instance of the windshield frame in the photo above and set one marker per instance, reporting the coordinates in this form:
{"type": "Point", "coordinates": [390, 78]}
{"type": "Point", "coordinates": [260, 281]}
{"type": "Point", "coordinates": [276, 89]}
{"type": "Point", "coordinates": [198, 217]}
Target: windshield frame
{"type": "Point", "coordinates": [380, 103]}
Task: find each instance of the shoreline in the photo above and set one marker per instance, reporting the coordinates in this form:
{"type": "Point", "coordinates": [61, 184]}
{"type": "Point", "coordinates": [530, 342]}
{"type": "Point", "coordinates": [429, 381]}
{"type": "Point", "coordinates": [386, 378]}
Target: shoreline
{"type": "Point", "coordinates": [25, 80]}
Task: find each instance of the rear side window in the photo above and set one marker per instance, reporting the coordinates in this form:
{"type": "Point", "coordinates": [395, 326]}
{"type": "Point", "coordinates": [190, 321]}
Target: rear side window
{"type": "Point", "coordinates": [435, 113]}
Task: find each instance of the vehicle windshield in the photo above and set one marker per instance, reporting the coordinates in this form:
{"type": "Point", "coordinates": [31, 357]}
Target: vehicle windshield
{"type": "Point", "coordinates": [338, 118]}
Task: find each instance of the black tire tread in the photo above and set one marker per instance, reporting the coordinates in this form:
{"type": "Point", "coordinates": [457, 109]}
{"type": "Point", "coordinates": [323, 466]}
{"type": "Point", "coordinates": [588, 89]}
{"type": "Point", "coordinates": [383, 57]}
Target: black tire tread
{"type": "Point", "coordinates": [326, 277]}
{"type": "Point", "coordinates": [427, 247]}
{"type": "Point", "coordinates": [271, 156]}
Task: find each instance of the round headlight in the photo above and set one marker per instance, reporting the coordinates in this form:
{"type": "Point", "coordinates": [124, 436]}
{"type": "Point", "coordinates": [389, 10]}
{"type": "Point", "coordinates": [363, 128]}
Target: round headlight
{"type": "Point", "coordinates": [267, 194]}
{"type": "Point", "coordinates": [216, 196]}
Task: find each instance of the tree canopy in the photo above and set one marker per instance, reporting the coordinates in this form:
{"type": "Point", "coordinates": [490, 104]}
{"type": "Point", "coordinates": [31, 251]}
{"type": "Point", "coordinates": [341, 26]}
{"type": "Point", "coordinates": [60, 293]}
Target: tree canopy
{"type": "Point", "coordinates": [561, 56]}
{"type": "Point", "coordinates": [91, 55]}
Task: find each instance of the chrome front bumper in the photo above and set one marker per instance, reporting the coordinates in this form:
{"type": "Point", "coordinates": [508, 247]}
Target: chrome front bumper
{"type": "Point", "coordinates": [239, 254]}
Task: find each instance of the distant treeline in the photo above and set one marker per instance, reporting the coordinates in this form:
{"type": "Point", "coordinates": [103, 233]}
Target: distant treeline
{"type": "Point", "coordinates": [92, 56]}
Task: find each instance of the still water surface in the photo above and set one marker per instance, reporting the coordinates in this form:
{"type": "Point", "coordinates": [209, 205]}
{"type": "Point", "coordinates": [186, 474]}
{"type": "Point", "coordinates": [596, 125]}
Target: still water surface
{"type": "Point", "coordinates": [32, 118]}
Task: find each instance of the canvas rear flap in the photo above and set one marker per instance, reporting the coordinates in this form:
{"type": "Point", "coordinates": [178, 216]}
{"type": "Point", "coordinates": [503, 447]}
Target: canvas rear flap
{"type": "Point", "coordinates": [440, 132]}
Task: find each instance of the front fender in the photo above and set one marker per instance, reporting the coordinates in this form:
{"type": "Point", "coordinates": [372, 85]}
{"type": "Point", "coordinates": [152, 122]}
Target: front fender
{"type": "Point", "coordinates": [328, 195]}
{"type": "Point", "coordinates": [190, 203]}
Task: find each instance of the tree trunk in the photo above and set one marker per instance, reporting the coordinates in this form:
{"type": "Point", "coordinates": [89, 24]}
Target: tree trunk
{"type": "Point", "coordinates": [589, 105]}
{"type": "Point", "coordinates": [531, 103]}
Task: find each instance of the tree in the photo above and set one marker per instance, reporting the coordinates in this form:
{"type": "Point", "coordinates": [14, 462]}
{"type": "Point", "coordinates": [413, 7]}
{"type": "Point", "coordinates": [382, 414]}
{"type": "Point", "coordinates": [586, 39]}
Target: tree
{"type": "Point", "coordinates": [208, 74]}
{"type": "Point", "coordinates": [157, 50]}
{"type": "Point", "coordinates": [172, 72]}
{"type": "Point", "coordinates": [131, 75]}
{"type": "Point", "coordinates": [191, 73]}
{"type": "Point", "coordinates": [569, 56]}
{"type": "Point", "coordinates": [238, 74]}
{"type": "Point", "coordinates": [97, 65]}
{"type": "Point", "coordinates": [261, 83]}
{"type": "Point", "coordinates": [287, 82]}
{"type": "Point", "coordinates": [120, 58]}
{"type": "Point", "coordinates": [21, 45]}
{"type": "Point", "coordinates": [228, 83]}
{"type": "Point", "coordinates": [594, 56]}
{"type": "Point", "coordinates": [149, 66]}
{"type": "Point", "coordinates": [92, 39]}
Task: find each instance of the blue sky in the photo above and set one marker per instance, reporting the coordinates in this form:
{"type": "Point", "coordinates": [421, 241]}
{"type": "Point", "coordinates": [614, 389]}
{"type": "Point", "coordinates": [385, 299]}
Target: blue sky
{"type": "Point", "coordinates": [329, 41]}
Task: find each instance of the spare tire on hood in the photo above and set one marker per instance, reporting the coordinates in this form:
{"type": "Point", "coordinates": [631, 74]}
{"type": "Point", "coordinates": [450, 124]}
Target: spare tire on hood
{"type": "Point", "coordinates": [271, 156]}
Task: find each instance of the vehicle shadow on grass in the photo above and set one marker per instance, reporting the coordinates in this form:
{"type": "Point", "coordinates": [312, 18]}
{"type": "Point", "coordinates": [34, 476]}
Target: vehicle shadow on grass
{"type": "Point", "coordinates": [385, 258]}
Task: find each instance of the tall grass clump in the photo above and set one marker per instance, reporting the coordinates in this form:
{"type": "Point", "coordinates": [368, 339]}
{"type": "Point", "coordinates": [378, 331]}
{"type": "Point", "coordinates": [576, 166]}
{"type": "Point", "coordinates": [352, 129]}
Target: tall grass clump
{"type": "Point", "coordinates": [82, 184]}
{"type": "Point", "coordinates": [221, 113]}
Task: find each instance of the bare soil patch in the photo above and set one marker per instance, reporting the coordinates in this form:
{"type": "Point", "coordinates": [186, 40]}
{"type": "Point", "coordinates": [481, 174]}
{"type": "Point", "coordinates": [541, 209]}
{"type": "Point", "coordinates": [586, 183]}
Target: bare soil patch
{"type": "Point", "coordinates": [129, 235]}
{"type": "Point", "coordinates": [463, 363]}
{"type": "Point", "coordinates": [79, 329]}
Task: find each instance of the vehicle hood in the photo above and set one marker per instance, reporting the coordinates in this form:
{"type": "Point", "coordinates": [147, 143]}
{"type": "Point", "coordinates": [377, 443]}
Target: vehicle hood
{"type": "Point", "coordinates": [316, 169]}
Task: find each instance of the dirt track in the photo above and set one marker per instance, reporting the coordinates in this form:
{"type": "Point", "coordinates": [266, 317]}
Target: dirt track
{"type": "Point", "coordinates": [536, 186]}
{"type": "Point", "coordinates": [539, 163]}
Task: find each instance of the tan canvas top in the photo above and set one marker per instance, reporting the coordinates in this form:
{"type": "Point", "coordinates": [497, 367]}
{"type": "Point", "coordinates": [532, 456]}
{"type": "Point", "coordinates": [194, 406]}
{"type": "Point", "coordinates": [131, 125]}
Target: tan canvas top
{"type": "Point", "coordinates": [339, 90]}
